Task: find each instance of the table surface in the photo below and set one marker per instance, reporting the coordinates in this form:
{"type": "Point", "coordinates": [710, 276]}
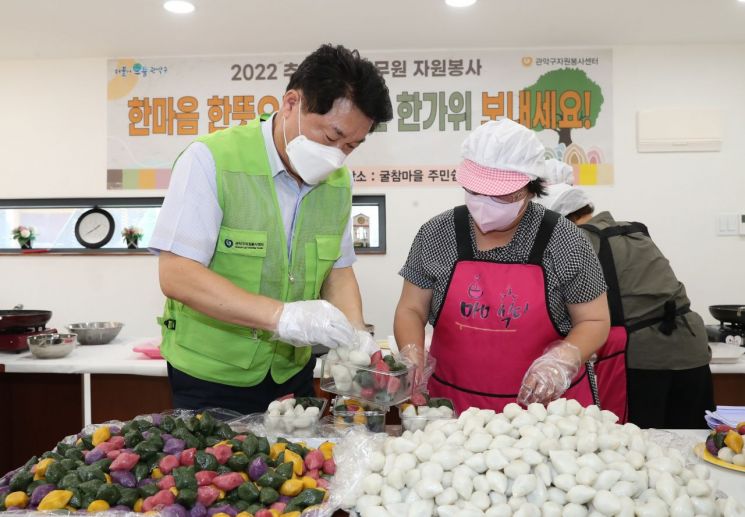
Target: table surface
{"type": "Point", "coordinates": [729, 367]}
{"type": "Point", "coordinates": [116, 357]}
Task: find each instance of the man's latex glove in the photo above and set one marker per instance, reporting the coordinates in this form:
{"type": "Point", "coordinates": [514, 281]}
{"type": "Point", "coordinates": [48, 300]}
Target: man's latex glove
{"type": "Point", "coordinates": [551, 374]}
{"type": "Point", "coordinates": [364, 342]}
{"type": "Point", "coordinates": [307, 323]}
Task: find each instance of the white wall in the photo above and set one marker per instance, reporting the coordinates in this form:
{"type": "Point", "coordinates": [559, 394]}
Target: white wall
{"type": "Point", "coordinates": [54, 133]}
{"type": "Point", "coordinates": [678, 195]}
{"type": "Point", "coordinates": [53, 144]}
{"type": "Point", "coordinates": [84, 288]}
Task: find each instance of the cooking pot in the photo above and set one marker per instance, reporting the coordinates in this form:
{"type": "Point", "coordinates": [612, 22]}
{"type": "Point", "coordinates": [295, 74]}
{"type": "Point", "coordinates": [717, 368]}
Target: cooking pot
{"type": "Point", "coordinates": [728, 313]}
{"type": "Point", "coordinates": [22, 319]}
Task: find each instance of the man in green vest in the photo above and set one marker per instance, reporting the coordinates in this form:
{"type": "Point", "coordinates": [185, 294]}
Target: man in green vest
{"type": "Point", "coordinates": [255, 246]}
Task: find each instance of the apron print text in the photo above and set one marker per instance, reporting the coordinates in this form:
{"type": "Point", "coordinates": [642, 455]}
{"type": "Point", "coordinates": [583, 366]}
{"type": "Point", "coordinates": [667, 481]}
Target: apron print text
{"type": "Point", "coordinates": [509, 309]}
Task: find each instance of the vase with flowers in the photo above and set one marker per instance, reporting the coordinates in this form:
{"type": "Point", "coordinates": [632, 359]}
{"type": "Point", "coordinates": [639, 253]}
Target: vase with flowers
{"type": "Point", "coordinates": [25, 236]}
{"type": "Point", "coordinates": [132, 235]}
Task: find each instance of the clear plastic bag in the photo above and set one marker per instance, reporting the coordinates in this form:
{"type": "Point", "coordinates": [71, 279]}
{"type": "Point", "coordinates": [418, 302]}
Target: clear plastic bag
{"type": "Point", "coordinates": [253, 423]}
{"type": "Point", "coordinates": [352, 454]}
{"type": "Point", "coordinates": [683, 443]}
{"type": "Point", "coordinates": [221, 414]}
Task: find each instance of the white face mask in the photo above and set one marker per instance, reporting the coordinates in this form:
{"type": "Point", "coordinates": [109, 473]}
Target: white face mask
{"type": "Point", "coordinates": [490, 215]}
{"type": "Point", "coordinates": [312, 161]}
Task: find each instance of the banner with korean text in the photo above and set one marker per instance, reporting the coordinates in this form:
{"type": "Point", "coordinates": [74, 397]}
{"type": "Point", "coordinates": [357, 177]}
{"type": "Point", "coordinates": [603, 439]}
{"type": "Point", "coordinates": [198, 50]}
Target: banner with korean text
{"type": "Point", "coordinates": [157, 106]}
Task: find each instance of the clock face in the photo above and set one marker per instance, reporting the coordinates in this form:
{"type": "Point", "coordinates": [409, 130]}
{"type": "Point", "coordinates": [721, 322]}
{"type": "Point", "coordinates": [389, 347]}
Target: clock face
{"type": "Point", "coordinates": [94, 228]}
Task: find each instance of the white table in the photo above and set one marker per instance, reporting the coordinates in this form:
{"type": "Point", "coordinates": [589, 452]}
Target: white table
{"type": "Point", "coordinates": [116, 357]}
{"type": "Point", "coordinates": [738, 367]}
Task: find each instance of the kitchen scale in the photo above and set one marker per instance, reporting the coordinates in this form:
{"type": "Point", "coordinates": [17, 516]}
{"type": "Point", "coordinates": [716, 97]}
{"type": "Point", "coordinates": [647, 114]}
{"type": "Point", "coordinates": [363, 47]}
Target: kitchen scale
{"type": "Point", "coordinates": [726, 333]}
{"type": "Point", "coordinates": [731, 328]}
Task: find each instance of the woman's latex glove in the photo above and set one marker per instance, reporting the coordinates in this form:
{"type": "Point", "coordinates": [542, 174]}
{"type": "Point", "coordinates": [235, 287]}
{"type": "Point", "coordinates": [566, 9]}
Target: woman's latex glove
{"type": "Point", "coordinates": [416, 356]}
{"type": "Point", "coordinates": [551, 374]}
{"type": "Point", "coordinates": [364, 342]}
{"type": "Point", "coordinates": [312, 322]}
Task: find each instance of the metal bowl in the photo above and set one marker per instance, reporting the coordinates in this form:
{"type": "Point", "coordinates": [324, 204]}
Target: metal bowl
{"type": "Point", "coordinates": [96, 332]}
{"type": "Point", "coordinates": [51, 346]}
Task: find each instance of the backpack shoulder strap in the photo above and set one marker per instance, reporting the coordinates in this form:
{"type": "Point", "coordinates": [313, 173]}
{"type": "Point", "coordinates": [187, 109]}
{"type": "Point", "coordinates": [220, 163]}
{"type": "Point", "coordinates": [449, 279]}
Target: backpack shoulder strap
{"type": "Point", "coordinates": [548, 223]}
{"type": "Point", "coordinates": [463, 233]}
{"type": "Point", "coordinates": [605, 255]}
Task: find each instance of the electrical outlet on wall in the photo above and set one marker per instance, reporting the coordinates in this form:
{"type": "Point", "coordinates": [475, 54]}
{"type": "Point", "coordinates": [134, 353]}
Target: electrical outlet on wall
{"type": "Point", "coordinates": [730, 224]}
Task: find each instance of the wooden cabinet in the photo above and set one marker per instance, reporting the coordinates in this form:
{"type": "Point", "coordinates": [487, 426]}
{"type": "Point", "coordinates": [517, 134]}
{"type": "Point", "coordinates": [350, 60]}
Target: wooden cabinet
{"type": "Point", "coordinates": [123, 397]}
{"type": "Point", "coordinates": [729, 389]}
{"type": "Point", "coordinates": [40, 409]}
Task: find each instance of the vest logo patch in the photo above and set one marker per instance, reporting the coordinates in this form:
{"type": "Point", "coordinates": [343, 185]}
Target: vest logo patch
{"type": "Point", "coordinates": [245, 245]}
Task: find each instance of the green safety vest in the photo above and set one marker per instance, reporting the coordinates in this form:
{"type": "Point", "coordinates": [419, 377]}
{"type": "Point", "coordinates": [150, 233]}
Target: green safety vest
{"type": "Point", "coordinates": [251, 252]}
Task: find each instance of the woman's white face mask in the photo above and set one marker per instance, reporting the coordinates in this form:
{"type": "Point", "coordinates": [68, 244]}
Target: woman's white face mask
{"type": "Point", "coordinates": [312, 161]}
{"type": "Point", "coordinates": [490, 215]}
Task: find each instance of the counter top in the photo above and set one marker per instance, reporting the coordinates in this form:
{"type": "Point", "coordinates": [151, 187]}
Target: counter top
{"type": "Point", "coordinates": [116, 357]}
{"type": "Point", "coordinates": [722, 367]}
{"type": "Point", "coordinates": [736, 367]}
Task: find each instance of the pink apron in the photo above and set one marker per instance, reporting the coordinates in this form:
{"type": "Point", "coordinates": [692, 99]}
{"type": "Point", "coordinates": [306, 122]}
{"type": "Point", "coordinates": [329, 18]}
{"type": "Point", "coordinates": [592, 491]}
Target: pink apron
{"type": "Point", "coordinates": [610, 373]}
{"type": "Point", "coordinates": [493, 323]}
{"type": "Point", "coordinates": [610, 365]}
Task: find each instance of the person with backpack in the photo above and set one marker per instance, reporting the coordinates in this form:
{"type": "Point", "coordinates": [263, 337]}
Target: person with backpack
{"type": "Point", "coordinates": [666, 359]}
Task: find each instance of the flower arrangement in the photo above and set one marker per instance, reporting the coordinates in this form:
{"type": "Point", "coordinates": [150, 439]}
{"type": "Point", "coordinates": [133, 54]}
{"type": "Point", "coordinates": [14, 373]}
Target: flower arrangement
{"type": "Point", "coordinates": [24, 235]}
{"type": "Point", "coordinates": [132, 235]}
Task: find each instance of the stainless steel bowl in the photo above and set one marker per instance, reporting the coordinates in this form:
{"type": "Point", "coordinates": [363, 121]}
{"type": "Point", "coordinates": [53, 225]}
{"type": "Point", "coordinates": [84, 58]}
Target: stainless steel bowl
{"type": "Point", "coordinates": [51, 346]}
{"type": "Point", "coordinates": [96, 332]}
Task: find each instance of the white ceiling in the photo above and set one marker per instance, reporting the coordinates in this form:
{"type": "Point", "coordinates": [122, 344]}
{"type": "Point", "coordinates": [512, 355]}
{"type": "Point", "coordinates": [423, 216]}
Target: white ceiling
{"type": "Point", "coordinates": [119, 28]}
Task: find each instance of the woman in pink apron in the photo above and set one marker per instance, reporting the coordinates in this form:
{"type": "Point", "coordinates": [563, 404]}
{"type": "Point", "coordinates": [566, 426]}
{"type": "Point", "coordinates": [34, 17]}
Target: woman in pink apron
{"type": "Point", "coordinates": [514, 292]}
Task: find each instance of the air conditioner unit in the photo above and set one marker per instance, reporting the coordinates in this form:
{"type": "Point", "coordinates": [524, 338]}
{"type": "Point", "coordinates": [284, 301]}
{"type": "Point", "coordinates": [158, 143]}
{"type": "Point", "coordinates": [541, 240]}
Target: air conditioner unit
{"type": "Point", "coordinates": [678, 130]}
